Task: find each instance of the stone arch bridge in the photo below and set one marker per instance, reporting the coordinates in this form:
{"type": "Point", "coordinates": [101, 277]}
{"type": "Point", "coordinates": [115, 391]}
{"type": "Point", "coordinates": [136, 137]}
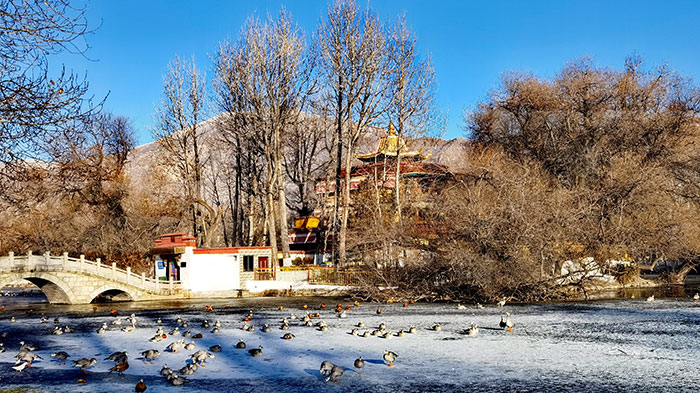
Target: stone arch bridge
{"type": "Point", "coordinates": [66, 280]}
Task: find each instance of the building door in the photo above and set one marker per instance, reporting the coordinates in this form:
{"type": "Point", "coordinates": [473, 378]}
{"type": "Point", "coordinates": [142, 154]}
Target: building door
{"type": "Point", "coordinates": [263, 262]}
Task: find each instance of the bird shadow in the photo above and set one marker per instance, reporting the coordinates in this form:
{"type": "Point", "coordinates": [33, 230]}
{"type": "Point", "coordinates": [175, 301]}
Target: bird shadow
{"type": "Point", "coordinates": [314, 373]}
{"type": "Point", "coordinates": [490, 328]}
{"type": "Point", "coordinates": [374, 361]}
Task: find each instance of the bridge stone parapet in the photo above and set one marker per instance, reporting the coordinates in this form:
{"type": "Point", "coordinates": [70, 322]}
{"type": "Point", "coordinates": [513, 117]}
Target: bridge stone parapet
{"type": "Point", "coordinates": [66, 280]}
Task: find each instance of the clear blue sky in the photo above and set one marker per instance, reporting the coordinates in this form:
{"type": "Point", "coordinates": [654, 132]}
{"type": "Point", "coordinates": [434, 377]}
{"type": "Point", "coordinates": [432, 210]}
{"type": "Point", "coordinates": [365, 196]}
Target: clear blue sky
{"type": "Point", "coordinates": [471, 43]}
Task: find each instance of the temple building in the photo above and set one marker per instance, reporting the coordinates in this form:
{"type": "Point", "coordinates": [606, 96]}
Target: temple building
{"type": "Point", "coordinates": [380, 166]}
{"type": "Point", "coordinates": [377, 172]}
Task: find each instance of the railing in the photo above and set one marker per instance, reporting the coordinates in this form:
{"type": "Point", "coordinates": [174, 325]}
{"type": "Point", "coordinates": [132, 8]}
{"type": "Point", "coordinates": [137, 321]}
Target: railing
{"type": "Point", "coordinates": [322, 275]}
{"type": "Point", "coordinates": [47, 262]}
{"type": "Point", "coordinates": [264, 273]}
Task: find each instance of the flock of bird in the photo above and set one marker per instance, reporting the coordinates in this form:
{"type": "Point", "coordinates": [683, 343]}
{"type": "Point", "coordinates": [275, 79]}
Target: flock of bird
{"type": "Point", "coordinates": [178, 376]}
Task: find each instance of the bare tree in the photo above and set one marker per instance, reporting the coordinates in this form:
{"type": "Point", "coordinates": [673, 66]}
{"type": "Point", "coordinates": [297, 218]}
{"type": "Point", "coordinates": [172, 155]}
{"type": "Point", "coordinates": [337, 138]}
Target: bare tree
{"type": "Point", "coordinates": [179, 134]}
{"type": "Point", "coordinates": [264, 81]}
{"type": "Point", "coordinates": [411, 93]}
{"type": "Point", "coordinates": [36, 106]}
{"type": "Point", "coordinates": [355, 70]}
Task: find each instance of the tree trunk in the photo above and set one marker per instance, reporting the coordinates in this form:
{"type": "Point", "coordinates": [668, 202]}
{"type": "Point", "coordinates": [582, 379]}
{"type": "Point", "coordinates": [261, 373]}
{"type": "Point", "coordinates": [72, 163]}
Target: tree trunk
{"type": "Point", "coordinates": [338, 168]}
{"type": "Point", "coordinates": [679, 276]}
{"type": "Point", "coordinates": [282, 195]}
{"type": "Point", "coordinates": [342, 251]}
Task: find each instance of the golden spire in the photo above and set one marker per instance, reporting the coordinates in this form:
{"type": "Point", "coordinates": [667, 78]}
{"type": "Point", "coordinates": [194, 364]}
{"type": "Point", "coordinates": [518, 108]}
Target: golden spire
{"type": "Point", "coordinates": [391, 130]}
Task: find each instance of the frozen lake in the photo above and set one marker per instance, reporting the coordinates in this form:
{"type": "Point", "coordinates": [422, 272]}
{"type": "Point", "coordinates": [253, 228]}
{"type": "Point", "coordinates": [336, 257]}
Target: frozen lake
{"type": "Point", "coordinates": [615, 345]}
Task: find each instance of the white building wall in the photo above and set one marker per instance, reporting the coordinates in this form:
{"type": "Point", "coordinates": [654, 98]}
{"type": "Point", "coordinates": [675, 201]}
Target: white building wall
{"type": "Point", "coordinates": [213, 272]}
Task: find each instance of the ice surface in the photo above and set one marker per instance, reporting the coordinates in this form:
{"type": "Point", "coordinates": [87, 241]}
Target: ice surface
{"type": "Point", "coordinates": [621, 345]}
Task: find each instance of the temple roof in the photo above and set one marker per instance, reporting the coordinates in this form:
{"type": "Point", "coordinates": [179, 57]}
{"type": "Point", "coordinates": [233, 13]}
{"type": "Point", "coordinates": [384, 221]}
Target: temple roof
{"type": "Point", "coordinates": [391, 146]}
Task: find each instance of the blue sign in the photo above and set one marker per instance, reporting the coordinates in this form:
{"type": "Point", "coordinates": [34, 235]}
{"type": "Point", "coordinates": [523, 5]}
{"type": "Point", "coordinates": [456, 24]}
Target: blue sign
{"type": "Point", "coordinates": [160, 265]}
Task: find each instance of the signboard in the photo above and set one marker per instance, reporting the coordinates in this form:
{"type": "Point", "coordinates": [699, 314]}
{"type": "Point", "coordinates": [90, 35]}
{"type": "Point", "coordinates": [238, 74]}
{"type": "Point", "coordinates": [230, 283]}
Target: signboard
{"type": "Point", "coordinates": [178, 250]}
{"type": "Point", "coordinates": [161, 265]}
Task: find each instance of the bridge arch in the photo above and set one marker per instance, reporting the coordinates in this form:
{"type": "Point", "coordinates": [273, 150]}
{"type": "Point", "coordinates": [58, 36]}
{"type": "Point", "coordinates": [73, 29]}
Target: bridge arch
{"type": "Point", "coordinates": [115, 292]}
{"type": "Point", "coordinates": [56, 290]}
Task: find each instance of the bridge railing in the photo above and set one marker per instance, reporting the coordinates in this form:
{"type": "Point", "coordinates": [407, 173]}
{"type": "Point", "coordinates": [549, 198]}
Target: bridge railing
{"type": "Point", "coordinates": [47, 262]}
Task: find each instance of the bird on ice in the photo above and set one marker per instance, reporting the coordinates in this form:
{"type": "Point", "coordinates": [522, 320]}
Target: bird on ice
{"type": "Point", "coordinates": [650, 299]}
{"type": "Point", "coordinates": [390, 357]}
{"type": "Point", "coordinates": [359, 364]}
{"type": "Point", "coordinates": [336, 372]}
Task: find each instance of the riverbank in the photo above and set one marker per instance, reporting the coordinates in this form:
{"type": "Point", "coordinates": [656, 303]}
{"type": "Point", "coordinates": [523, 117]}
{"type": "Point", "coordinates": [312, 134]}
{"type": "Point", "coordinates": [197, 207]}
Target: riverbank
{"type": "Point", "coordinates": [599, 345]}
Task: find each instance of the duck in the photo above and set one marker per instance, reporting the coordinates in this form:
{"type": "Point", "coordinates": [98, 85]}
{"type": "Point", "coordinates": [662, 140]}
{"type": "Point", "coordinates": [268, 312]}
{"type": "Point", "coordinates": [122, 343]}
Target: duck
{"type": "Point", "coordinates": [185, 325]}
{"type": "Point", "coordinates": [390, 357]}
{"type": "Point", "coordinates": [336, 372]}
{"type": "Point", "coordinates": [400, 333]}
{"type": "Point", "coordinates": [186, 334]}
{"type": "Point", "coordinates": [102, 329]}
{"type": "Point", "coordinates": [308, 323]}
{"type": "Point", "coordinates": [57, 331]}
{"type": "Point", "coordinates": [461, 306]}
{"type": "Point", "coordinates": [360, 324]}
{"type": "Point", "coordinates": [355, 331]}
{"type": "Point", "coordinates": [21, 367]}
{"type": "Point", "coordinates": [217, 324]}
{"type": "Point", "coordinates": [27, 347]}
{"type": "Point", "coordinates": [118, 357]}
{"type": "Point", "coordinates": [160, 331]}
{"type": "Point", "coordinates": [284, 327]}
{"type": "Point", "coordinates": [44, 319]}
{"type": "Point", "coordinates": [159, 321]}
{"type": "Point", "coordinates": [84, 364]}
{"type": "Point", "coordinates": [175, 345]}
{"type": "Point", "coordinates": [175, 332]}
{"type": "Point", "coordinates": [412, 330]}
{"type": "Point", "coordinates": [387, 335]}
{"type": "Point", "coordinates": [178, 320]}
{"type": "Point", "coordinates": [288, 336]}
{"type": "Point", "coordinates": [266, 328]}
{"type": "Point", "coordinates": [205, 324]}
{"type": "Point", "coordinates": [507, 323]}
{"type": "Point", "coordinates": [323, 328]}
{"type": "Point", "coordinates": [190, 346]}
{"type": "Point", "coordinates": [479, 306]}
{"type": "Point", "coordinates": [117, 322]}
{"type": "Point", "coordinates": [240, 344]}
{"type": "Point", "coordinates": [696, 297]}
{"type": "Point", "coordinates": [132, 319]}
{"type": "Point", "coordinates": [56, 321]}
{"type": "Point", "coordinates": [215, 348]}
{"type": "Point", "coordinates": [365, 334]}
{"type": "Point", "coordinates": [198, 335]}
{"type": "Point", "coordinates": [27, 356]}
{"type": "Point", "coordinates": [473, 330]}
{"type": "Point", "coordinates": [256, 352]}
{"type": "Point", "coordinates": [189, 369]}
{"type": "Point", "coordinates": [379, 311]}
{"type": "Point", "coordinates": [129, 329]}
{"type": "Point", "coordinates": [326, 367]}
{"type": "Point", "coordinates": [502, 303]}
{"type": "Point", "coordinates": [157, 338]}
{"type": "Point", "coordinates": [215, 330]}
{"type": "Point", "coordinates": [359, 364]}
{"type": "Point", "coordinates": [650, 299]}
{"type": "Point", "coordinates": [149, 355]}
{"type": "Point", "coordinates": [119, 368]}
{"type": "Point", "coordinates": [60, 356]}
{"type": "Point", "coordinates": [176, 380]}
{"type": "Point", "coordinates": [437, 327]}
{"type": "Point", "coordinates": [165, 370]}
{"type": "Point", "coordinates": [200, 357]}
{"type": "Point", "coordinates": [382, 326]}
{"type": "Point", "coordinates": [342, 314]}
{"type": "Point", "coordinates": [140, 387]}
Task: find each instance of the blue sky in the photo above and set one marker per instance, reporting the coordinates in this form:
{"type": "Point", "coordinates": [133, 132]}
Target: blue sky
{"type": "Point", "coordinates": [471, 43]}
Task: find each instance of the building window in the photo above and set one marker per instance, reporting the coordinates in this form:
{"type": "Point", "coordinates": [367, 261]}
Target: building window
{"type": "Point", "coordinates": [248, 265]}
